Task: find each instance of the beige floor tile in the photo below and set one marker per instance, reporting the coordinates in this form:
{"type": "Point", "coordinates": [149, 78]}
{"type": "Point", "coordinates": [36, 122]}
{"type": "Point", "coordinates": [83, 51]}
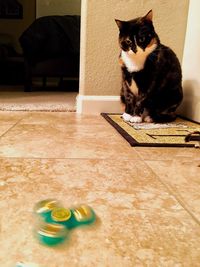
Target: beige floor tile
{"type": "Point", "coordinates": [63, 118]}
{"type": "Point", "coordinates": [70, 141]}
{"type": "Point", "coordinates": [7, 117]}
{"type": "Point", "coordinates": [189, 154]}
{"type": "Point", "coordinates": [183, 179]}
{"type": "Point", "coordinates": [140, 223]}
{"type": "Point", "coordinates": [148, 216]}
{"type": "Point", "coordinates": [168, 153]}
{"type": "Point", "coordinates": [4, 128]}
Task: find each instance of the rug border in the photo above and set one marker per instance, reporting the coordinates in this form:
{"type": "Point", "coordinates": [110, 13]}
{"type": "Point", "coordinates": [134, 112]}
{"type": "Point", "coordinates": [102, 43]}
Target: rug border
{"type": "Point", "coordinates": [132, 141]}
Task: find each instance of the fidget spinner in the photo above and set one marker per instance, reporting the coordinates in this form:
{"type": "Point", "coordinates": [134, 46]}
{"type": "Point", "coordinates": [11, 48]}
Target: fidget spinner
{"type": "Point", "coordinates": [55, 221]}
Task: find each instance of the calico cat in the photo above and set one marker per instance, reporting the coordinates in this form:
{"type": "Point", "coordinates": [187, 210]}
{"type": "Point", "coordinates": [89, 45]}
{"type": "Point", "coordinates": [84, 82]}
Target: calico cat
{"type": "Point", "coordinates": [151, 73]}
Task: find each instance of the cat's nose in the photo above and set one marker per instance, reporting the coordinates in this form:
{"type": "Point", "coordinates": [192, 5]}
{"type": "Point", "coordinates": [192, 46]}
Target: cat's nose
{"type": "Point", "coordinates": [128, 42]}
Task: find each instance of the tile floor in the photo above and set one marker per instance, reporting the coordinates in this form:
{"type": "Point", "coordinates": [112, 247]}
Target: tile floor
{"type": "Point", "coordinates": [147, 199]}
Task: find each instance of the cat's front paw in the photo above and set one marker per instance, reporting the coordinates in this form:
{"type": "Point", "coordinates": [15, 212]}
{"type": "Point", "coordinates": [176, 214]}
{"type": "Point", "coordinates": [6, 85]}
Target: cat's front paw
{"type": "Point", "coordinates": [148, 119]}
{"type": "Point", "coordinates": [136, 119]}
{"type": "Point", "coordinates": [126, 116]}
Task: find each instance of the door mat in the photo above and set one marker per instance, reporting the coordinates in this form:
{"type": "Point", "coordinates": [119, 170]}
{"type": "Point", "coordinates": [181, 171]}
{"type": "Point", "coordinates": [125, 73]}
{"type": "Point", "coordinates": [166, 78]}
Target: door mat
{"type": "Point", "coordinates": [154, 134]}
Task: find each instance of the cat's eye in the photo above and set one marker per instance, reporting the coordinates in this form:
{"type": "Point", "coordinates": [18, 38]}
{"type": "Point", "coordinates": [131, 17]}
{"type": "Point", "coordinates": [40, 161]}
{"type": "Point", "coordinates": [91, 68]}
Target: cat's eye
{"type": "Point", "coordinates": [141, 39]}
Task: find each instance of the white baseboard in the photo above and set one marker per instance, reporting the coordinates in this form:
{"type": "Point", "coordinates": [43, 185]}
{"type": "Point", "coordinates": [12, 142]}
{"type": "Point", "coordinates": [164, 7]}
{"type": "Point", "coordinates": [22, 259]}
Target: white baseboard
{"type": "Point", "coordinates": [97, 104]}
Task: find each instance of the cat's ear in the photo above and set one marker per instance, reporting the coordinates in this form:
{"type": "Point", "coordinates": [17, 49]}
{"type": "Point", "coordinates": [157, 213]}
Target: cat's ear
{"type": "Point", "coordinates": [149, 16]}
{"type": "Point", "coordinates": [119, 23]}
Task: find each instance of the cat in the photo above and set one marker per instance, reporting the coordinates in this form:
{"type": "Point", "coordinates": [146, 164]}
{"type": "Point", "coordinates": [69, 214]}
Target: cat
{"type": "Point", "coordinates": [151, 73]}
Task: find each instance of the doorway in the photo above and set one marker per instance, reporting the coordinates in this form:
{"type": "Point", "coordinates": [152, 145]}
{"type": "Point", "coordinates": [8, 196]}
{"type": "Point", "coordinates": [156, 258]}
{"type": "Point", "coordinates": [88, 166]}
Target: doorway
{"type": "Point", "coordinates": [53, 84]}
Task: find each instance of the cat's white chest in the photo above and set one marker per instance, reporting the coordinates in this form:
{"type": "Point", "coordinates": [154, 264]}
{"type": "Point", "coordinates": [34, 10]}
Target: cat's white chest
{"type": "Point", "coordinates": [135, 61]}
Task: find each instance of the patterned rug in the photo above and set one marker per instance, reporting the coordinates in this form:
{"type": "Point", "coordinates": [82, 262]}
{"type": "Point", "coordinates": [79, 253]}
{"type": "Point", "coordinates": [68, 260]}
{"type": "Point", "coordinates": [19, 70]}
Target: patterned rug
{"type": "Point", "coordinates": [155, 134]}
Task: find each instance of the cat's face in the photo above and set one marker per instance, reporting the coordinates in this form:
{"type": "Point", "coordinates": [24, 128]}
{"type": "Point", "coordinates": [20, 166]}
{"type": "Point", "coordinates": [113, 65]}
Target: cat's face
{"type": "Point", "coordinates": [137, 33]}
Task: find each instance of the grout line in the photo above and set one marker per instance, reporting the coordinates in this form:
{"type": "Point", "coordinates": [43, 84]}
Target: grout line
{"type": "Point", "coordinates": [178, 199]}
{"type": "Point", "coordinates": [10, 128]}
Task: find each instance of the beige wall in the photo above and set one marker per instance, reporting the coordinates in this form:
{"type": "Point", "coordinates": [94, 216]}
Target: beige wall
{"type": "Point", "coordinates": [99, 70]}
{"type": "Point", "coordinates": [191, 64]}
{"type": "Point", "coordinates": [15, 27]}
{"type": "Point", "coordinates": [58, 7]}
